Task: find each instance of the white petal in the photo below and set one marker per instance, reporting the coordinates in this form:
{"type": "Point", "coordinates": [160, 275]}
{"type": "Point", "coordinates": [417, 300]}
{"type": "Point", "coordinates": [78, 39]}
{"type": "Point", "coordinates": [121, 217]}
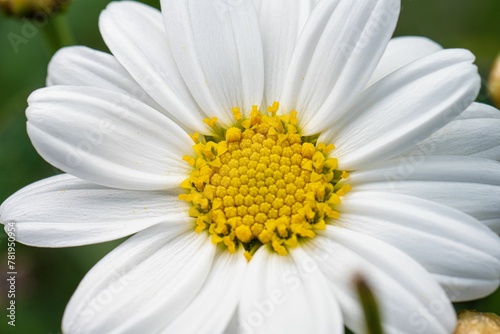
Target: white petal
{"type": "Point", "coordinates": [64, 211]}
{"type": "Point", "coordinates": [281, 22]}
{"type": "Point", "coordinates": [107, 138]}
{"type": "Point", "coordinates": [458, 248]}
{"type": "Point", "coordinates": [474, 132]}
{"type": "Point", "coordinates": [214, 306]}
{"type": "Point", "coordinates": [337, 52]}
{"type": "Point", "coordinates": [480, 110]}
{"type": "Point", "coordinates": [282, 295]}
{"type": "Point", "coordinates": [471, 185]}
{"type": "Point", "coordinates": [82, 66]}
{"type": "Point", "coordinates": [143, 284]}
{"type": "Point", "coordinates": [260, 3]}
{"type": "Point", "coordinates": [218, 49]}
{"type": "Point", "coordinates": [404, 108]}
{"type": "Point", "coordinates": [493, 224]}
{"type": "Point", "coordinates": [136, 36]}
{"type": "Point", "coordinates": [410, 299]}
{"type": "Point", "coordinates": [430, 168]}
{"type": "Point", "coordinates": [400, 52]}
{"type": "Point", "coordinates": [478, 200]}
{"type": "Point", "coordinates": [232, 328]}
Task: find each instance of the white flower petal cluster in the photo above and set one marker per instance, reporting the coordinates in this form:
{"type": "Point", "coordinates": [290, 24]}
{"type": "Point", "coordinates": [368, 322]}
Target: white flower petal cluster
{"type": "Point", "coordinates": [419, 222]}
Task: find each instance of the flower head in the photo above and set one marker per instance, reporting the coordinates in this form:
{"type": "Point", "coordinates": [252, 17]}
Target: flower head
{"type": "Point", "coordinates": [262, 183]}
{"type": "Point", "coordinates": [264, 160]}
{"type": "Point", "coordinates": [481, 323]}
{"type": "Point", "coordinates": [32, 8]}
{"type": "Point", "coordinates": [494, 82]}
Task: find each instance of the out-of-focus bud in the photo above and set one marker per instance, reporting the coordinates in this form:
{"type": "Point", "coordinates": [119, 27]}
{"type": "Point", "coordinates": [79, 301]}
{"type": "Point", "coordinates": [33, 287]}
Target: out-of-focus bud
{"type": "Point", "coordinates": [494, 82]}
{"type": "Point", "coordinates": [477, 323]}
{"type": "Point", "coordinates": [32, 8]}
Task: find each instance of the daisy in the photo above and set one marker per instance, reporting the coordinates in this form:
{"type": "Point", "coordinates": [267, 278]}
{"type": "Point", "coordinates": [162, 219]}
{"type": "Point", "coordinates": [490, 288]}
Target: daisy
{"type": "Point", "coordinates": [264, 153]}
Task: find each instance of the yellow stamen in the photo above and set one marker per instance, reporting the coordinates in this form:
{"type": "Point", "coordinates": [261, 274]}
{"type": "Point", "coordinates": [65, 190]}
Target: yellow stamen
{"type": "Point", "coordinates": [211, 122]}
{"type": "Point", "coordinates": [274, 108]}
{"type": "Point", "coordinates": [237, 113]}
{"type": "Point", "coordinates": [189, 160]}
{"type": "Point", "coordinates": [293, 117]}
{"type": "Point", "coordinates": [195, 137]}
{"type": "Point", "coordinates": [262, 183]}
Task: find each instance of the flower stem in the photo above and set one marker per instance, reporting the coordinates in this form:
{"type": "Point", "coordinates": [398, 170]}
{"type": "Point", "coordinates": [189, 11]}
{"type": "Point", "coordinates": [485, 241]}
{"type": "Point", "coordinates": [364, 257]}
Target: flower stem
{"type": "Point", "coordinates": [370, 306]}
{"type": "Point", "coordinates": [58, 33]}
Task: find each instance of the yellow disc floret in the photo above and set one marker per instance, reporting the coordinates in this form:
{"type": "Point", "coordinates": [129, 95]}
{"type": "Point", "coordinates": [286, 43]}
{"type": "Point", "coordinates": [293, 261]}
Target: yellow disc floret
{"type": "Point", "coordinates": [261, 183]}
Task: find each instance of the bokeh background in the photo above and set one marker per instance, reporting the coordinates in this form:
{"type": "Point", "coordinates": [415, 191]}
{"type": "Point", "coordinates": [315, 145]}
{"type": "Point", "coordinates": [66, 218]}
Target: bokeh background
{"type": "Point", "coordinates": [47, 277]}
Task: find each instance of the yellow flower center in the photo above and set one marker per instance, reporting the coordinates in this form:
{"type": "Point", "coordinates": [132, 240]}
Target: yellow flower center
{"type": "Point", "coordinates": [260, 183]}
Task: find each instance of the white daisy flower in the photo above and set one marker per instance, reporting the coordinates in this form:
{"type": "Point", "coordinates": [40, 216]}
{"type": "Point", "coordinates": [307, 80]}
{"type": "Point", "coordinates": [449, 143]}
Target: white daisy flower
{"type": "Point", "coordinates": [264, 153]}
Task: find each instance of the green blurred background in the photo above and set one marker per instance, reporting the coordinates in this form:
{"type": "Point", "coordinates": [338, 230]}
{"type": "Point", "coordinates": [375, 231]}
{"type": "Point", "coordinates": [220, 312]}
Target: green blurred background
{"type": "Point", "coordinates": [47, 277]}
